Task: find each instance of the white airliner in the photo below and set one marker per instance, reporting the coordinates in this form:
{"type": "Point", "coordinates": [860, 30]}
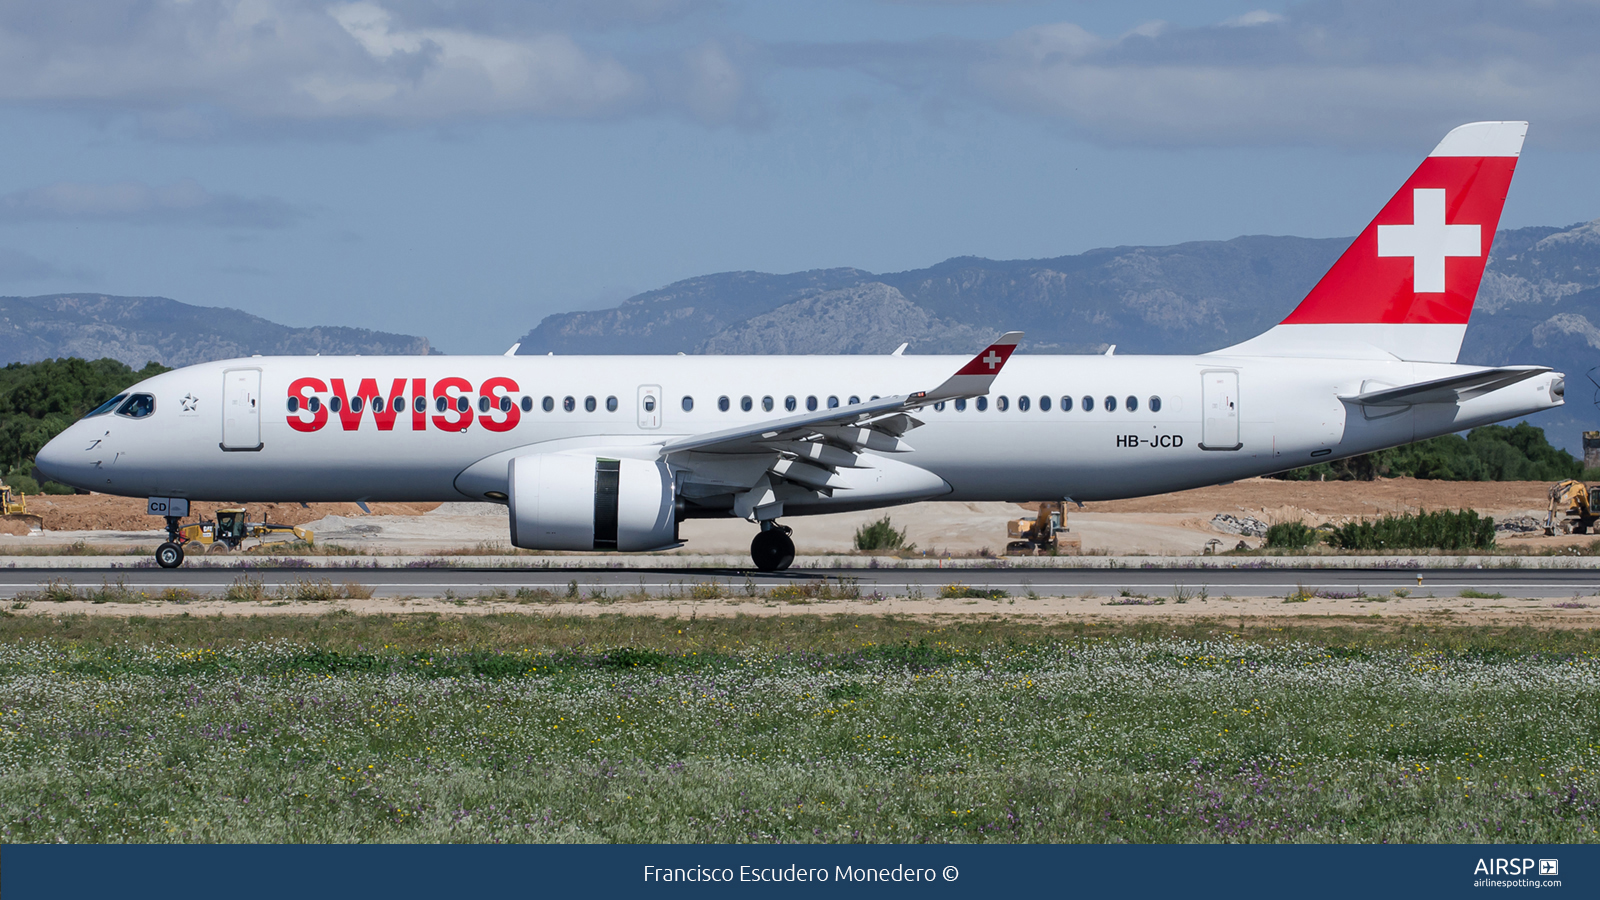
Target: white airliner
{"type": "Point", "coordinates": [612, 452]}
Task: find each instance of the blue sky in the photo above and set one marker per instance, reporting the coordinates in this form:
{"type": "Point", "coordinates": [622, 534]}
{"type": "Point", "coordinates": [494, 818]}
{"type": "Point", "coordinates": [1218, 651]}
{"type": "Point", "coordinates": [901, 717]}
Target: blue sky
{"type": "Point", "coordinates": [460, 169]}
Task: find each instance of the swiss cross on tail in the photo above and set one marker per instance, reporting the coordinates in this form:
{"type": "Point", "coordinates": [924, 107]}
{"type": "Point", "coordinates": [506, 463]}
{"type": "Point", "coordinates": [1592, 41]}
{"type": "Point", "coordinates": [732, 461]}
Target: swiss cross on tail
{"type": "Point", "coordinates": [1406, 285]}
{"type": "Point", "coordinates": [974, 378]}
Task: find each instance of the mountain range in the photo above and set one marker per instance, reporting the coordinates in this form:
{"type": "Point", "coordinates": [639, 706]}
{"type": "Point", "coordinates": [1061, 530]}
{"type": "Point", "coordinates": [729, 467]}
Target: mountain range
{"type": "Point", "coordinates": [137, 330]}
{"type": "Point", "coordinates": [1539, 304]}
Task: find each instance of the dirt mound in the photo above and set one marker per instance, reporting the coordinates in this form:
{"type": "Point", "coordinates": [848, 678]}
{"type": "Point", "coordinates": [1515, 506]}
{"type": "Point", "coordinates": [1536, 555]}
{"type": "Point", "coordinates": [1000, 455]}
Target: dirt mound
{"type": "Point", "coordinates": [102, 512]}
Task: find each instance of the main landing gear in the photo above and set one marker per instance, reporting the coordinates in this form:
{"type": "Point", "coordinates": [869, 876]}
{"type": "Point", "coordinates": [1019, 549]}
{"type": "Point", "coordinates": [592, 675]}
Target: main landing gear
{"type": "Point", "coordinates": [170, 554]}
{"type": "Point", "coordinates": [773, 549]}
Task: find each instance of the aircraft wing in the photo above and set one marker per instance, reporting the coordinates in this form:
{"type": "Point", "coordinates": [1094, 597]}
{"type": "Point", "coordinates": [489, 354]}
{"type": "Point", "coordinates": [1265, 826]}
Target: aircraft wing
{"type": "Point", "coordinates": [765, 463]}
{"type": "Point", "coordinates": [1448, 390]}
{"type": "Point", "coordinates": [877, 424]}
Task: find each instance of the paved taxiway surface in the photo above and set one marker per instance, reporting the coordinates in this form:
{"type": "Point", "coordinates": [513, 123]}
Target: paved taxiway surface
{"type": "Point", "coordinates": [467, 582]}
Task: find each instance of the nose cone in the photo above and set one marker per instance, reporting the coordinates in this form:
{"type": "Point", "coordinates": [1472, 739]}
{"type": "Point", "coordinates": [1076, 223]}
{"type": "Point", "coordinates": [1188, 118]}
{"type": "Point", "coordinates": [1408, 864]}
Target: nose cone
{"type": "Point", "coordinates": [54, 462]}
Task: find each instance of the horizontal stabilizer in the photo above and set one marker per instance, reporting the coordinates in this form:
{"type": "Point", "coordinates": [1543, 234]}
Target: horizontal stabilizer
{"type": "Point", "coordinates": [1448, 390]}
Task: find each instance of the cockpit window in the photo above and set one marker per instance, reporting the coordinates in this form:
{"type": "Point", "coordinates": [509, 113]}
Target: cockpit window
{"type": "Point", "coordinates": [107, 406]}
{"type": "Point", "coordinates": [138, 406]}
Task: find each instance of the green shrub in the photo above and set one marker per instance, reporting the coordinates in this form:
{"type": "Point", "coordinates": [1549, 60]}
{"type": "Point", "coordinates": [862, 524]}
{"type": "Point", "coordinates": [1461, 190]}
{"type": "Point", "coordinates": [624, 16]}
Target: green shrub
{"type": "Point", "coordinates": [881, 535]}
{"type": "Point", "coordinates": [1291, 536]}
{"type": "Point", "coordinates": [1459, 530]}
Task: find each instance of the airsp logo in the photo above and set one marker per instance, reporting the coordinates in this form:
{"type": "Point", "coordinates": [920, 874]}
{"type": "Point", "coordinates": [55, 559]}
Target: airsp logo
{"type": "Point", "coordinates": [1501, 866]}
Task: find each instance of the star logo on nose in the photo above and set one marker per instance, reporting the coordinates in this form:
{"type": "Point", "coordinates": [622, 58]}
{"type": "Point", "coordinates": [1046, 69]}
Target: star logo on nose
{"type": "Point", "coordinates": [189, 402]}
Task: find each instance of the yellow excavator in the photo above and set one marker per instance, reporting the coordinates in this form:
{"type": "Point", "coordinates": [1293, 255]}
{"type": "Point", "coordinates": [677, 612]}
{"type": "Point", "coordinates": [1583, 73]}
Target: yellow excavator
{"type": "Point", "coordinates": [1572, 508]}
{"type": "Point", "coordinates": [231, 529]}
{"type": "Point", "coordinates": [1047, 532]}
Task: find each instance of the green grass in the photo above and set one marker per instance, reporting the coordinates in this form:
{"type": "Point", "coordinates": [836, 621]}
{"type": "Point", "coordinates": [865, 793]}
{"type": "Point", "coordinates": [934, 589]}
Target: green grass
{"type": "Point", "coordinates": [799, 728]}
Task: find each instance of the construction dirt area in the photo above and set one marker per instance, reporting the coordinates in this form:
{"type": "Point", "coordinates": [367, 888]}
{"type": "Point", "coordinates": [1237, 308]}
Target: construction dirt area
{"type": "Point", "coordinates": [1179, 524]}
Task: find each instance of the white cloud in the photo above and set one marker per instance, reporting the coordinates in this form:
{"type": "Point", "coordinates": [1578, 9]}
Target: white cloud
{"type": "Point", "coordinates": [182, 65]}
{"type": "Point", "coordinates": [180, 203]}
{"type": "Point", "coordinates": [1350, 72]}
{"type": "Point", "coordinates": [1255, 17]}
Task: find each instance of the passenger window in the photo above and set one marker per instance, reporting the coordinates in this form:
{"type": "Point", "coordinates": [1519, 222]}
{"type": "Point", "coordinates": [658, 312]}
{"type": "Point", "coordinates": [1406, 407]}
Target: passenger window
{"type": "Point", "coordinates": [1044, 404]}
{"type": "Point", "coordinates": [833, 402]}
{"type": "Point", "coordinates": [1067, 404]}
{"type": "Point", "coordinates": [316, 404]}
{"type": "Point", "coordinates": [961, 405]}
{"type": "Point", "coordinates": [744, 403]}
{"type": "Point", "coordinates": [549, 404]}
{"type": "Point", "coordinates": [1155, 404]}
{"type": "Point", "coordinates": [463, 404]}
{"type": "Point", "coordinates": [355, 404]}
{"type": "Point", "coordinates": [649, 404]}
{"type": "Point", "coordinates": [590, 404]}
{"type": "Point", "coordinates": [138, 406]}
{"type": "Point", "coordinates": [1088, 403]}
{"type": "Point", "coordinates": [505, 404]}
{"type": "Point", "coordinates": [939, 407]}
{"type": "Point", "coordinates": [1023, 403]}
{"type": "Point", "coordinates": [766, 403]}
{"type": "Point", "coordinates": [982, 403]}
{"type": "Point", "coordinates": [688, 403]}
{"type": "Point", "coordinates": [483, 404]}
{"type": "Point", "coordinates": [1132, 403]}
{"type": "Point", "coordinates": [336, 403]}
{"type": "Point", "coordinates": [527, 403]}
{"type": "Point", "coordinates": [811, 404]}
{"type": "Point", "coordinates": [569, 404]}
{"type": "Point", "coordinates": [722, 404]}
{"type": "Point", "coordinates": [874, 396]}
{"type": "Point", "coordinates": [420, 404]}
{"type": "Point", "coordinates": [788, 403]}
{"type": "Point", "coordinates": [1111, 404]}
{"type": "Point", "coordinates": [1001, 403]}
{"type": "Point", "coordinates": [611, 404]}
{"type": "Point", "coordinates": [377, 404]}
{"type": "Point", "coordinates": [294, 405]}
{"type": "Point", "coordinates": [108, 406]}
{"type": "Point", "coordinates": [854, 399]}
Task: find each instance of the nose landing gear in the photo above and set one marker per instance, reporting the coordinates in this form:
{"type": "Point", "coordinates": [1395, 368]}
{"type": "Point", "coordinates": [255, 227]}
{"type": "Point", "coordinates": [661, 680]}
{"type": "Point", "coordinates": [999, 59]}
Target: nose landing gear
{"type": "Point", "coordinates": [170, 554]}
{"type": "Point", "coordinates": [773, 549]}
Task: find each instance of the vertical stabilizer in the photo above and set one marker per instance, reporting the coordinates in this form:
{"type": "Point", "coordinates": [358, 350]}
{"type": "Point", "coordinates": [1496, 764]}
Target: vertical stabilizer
{"type": "Point", "coordinates": [1405, 288]}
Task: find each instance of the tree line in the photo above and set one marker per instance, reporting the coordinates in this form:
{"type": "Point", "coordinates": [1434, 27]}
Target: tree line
{"type": "Point", "coordinates": [1489, 453]}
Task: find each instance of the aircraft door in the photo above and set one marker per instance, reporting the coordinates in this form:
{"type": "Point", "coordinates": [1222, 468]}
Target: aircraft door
{"type": "Point", "coordinates": [649, 406]}
{"type": "Point", "coordinates": [241, 409]}
{"type": "Point", "coordinates": [1219, 404]}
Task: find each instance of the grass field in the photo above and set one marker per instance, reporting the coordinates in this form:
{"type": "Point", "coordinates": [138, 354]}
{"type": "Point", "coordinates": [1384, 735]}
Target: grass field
{"type": "Point", "coordinates": [804, 728]}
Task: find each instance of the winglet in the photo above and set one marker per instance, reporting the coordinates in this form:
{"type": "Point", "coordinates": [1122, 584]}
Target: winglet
{"type": "Point", "coordinates": [974, 378]}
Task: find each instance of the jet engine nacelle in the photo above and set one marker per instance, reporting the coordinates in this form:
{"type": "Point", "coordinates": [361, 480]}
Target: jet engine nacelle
{"type": "Point", "coordinates": [561, 502]}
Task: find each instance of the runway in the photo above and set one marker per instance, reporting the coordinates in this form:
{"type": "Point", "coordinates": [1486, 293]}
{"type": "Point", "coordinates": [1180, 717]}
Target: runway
{"type": "Point", "coordinates": [1154, 582]}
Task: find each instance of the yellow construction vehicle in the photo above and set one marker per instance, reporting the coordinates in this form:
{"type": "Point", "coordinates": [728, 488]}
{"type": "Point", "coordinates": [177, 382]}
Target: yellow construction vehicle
{"type": "Point", "coordinates": [1047, 532]}
{"type": "Point", "coordinates": [14, 505]}
{"type": "Point", "coordinates": [1572, 508]}
{"type": "Point", "coordinates": [231, 529]}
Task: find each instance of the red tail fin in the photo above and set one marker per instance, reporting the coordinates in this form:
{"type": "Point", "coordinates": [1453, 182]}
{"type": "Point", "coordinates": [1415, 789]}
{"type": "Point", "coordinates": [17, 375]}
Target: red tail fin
{"type": "Point", "coordinates": [1405, 287]}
